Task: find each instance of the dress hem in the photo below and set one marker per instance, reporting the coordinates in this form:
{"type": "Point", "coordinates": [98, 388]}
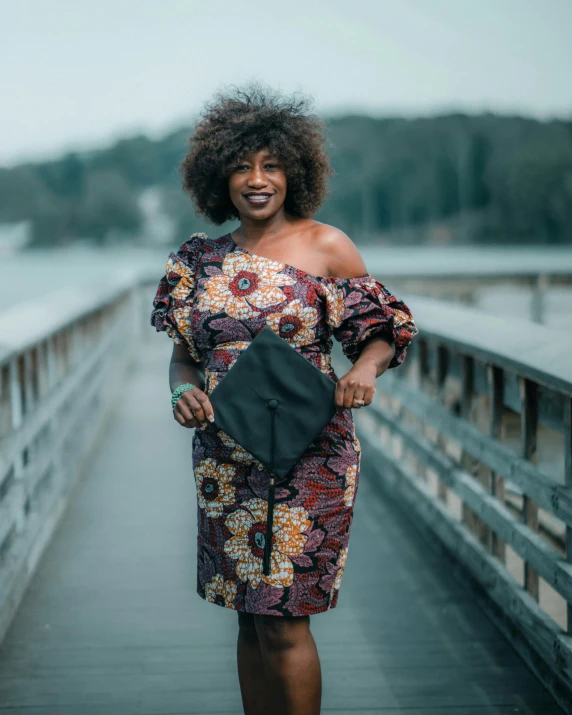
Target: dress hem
{"type": "Point", "coordinates": [329, 607]}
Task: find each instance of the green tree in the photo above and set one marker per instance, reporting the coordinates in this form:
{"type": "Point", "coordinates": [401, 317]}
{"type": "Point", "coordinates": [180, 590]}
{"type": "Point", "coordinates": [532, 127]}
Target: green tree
{"type": "Point", "coordinates": [108, 203]}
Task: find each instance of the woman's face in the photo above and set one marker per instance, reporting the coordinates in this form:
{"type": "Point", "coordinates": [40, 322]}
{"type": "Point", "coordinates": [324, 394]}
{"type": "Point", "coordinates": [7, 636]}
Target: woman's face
{"type": "Point", "coordinates": [257, 185]}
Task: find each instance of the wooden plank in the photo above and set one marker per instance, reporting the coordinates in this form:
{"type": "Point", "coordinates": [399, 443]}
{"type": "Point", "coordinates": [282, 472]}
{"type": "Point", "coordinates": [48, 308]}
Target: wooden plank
{"type": "Point", "coordinates": [554, 498]}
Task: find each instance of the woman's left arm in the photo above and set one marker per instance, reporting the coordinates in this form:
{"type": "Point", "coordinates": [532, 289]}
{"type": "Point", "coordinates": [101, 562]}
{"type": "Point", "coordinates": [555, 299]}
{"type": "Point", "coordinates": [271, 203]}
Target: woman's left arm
{"type": "Point", "coordinates": [375, 356]}
{"type": "Point", "coordinates": [359, 381]}
{"type": "Point", "coordinates": [376, 353]}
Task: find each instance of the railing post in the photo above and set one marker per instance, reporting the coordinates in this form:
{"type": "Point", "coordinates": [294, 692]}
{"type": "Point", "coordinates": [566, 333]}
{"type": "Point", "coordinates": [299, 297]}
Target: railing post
{"type": "Point", "coordinates": [568, 483]}
{"type": "Point", "coordinates": [17, 401]}
{"type": "Point", "coordinates": [441, 367]}
{"type": "Point", "coordinates": [5, 401]}
{"type": "Point", "coordinates": [42, 370]}
{"type": "Point", "coordinates": [28, 382]}
{"type": "Point", "coordinates": [51, 366]}
{"type": "Point", "coordinates": [16, 395]}
{"type": "Point", "coordinates": [528, 445]}
{"type": "Point", "coordinates": [468, 462]}
{"type": "Point", "coordinates": [496, 410]}
{"type": "Point", "coordinates": [424, 379]}
{"type": "Point", "coordinates": [538, 299]}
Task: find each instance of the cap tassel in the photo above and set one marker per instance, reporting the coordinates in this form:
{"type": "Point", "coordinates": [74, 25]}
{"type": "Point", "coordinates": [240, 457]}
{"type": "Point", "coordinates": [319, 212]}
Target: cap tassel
{"type": "Point", "coordinates": [273, 404]}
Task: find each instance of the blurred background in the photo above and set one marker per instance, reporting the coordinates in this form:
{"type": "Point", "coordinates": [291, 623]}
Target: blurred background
{"type": "Point", "coordinates": [449, 125]}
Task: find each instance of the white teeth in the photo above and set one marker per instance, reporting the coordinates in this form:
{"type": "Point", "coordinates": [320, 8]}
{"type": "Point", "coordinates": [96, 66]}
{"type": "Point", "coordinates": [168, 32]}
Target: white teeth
{"type": "Point", "coordinates": [258, 199]}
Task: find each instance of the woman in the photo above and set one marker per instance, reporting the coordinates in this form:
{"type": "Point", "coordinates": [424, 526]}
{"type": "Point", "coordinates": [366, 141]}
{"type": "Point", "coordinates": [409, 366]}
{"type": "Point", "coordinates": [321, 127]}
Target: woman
{"type": "Point", "coordinates": [260, 159]}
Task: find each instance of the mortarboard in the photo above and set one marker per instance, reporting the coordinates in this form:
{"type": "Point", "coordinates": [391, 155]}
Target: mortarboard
{"type": "Point", "coordinates": [274, 403]}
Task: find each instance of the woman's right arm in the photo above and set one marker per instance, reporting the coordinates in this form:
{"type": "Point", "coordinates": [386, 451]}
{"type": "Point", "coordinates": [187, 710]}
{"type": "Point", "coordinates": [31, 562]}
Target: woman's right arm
{"type": "Point", "coordinates": [193, 408]}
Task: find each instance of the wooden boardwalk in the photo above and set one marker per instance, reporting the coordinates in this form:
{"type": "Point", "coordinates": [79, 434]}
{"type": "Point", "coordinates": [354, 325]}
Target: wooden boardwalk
{"type": "Point", "coordinates": [112, 625]}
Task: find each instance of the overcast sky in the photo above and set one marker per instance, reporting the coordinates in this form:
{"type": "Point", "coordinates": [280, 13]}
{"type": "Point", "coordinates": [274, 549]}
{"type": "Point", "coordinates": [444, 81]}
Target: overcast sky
{"type": "Point", "coordinates": [79, 73]}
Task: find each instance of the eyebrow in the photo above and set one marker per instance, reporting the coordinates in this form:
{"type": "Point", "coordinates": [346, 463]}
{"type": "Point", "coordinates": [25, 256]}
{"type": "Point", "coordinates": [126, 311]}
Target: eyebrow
{"type": "Point", "coordinates": [264, 156]}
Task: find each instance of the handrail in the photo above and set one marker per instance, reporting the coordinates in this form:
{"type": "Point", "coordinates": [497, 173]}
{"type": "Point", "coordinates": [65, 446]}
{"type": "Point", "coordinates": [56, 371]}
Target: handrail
{"type": "Point", "coordinates": [531, 350]}
{"type": "Point", "coordinates": [473, 436]}
{"type": "Point", "coordinates": [61, 360]}
{"type": "Point", "coordinates": [30, 322]}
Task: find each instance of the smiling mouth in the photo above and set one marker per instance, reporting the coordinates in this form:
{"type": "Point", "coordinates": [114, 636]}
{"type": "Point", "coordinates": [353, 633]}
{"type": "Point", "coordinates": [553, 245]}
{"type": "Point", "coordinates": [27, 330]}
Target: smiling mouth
{"type": "Point", "coordinates": [258, 199]}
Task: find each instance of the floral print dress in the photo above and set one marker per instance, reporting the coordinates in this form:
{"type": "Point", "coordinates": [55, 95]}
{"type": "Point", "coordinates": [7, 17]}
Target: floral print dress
{"type": "Point", "coordinates": [214, 298]}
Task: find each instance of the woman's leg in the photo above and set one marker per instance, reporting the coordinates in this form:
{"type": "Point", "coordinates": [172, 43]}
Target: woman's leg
{"type": "Point", "coordinates": [290, 659]}
{"type": "Point", "coordinates": [251, 675]}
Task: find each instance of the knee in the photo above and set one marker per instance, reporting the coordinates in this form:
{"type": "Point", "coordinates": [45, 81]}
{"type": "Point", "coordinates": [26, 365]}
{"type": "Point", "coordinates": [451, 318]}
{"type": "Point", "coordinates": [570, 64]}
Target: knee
{"type": "Point", "coordinates": [247, 626]}
{"type": "Point", "coordinates": [280, 633]}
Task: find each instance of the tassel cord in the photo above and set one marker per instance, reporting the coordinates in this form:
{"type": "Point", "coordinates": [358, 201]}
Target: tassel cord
{"type": "Point", "coordinates": [270, 514]}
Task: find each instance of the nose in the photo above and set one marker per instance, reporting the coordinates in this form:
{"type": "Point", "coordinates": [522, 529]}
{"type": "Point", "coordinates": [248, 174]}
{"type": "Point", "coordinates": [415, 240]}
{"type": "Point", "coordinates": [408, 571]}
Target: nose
{"type": "Point", "coordinates": [257, 178]}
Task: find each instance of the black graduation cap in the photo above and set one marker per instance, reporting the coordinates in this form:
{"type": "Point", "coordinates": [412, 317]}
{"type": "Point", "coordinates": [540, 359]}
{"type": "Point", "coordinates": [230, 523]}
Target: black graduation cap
{"type": "Point", "coordinates": [274, 403]}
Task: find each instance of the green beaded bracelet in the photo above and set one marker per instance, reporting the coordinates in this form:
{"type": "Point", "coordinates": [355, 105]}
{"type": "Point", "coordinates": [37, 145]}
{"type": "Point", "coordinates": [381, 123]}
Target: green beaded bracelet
{"type": "Point", "coordinates": [178, 391]}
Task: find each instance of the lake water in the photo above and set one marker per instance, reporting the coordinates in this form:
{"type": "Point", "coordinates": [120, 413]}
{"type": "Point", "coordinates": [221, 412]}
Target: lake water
{"type": "Point", "coordinates": [32, 275]}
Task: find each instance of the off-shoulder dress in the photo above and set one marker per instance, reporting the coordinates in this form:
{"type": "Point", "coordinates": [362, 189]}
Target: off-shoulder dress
{"type": "Point", "coordinates": [214, 298]}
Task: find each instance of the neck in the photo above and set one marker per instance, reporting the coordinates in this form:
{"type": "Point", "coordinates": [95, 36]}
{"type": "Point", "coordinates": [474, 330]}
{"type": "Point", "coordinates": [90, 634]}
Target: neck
{"type": "Point", "coordinates": [251, 231]}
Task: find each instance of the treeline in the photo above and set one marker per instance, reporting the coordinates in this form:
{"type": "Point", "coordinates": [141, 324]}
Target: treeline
{"type": "Point", "coordinates": [459, 178]}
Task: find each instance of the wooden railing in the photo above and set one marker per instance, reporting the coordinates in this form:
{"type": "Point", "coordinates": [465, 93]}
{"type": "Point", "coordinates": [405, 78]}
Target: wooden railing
{"type": "Point", "coordinates": [472, 435]}
{"type": "Point", "coordinates": [61, 363]}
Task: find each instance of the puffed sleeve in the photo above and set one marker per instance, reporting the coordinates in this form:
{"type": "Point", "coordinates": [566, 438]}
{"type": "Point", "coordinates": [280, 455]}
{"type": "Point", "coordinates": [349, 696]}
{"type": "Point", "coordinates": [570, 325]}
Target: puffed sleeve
{"type": "Point", "coordinates": [359, 308]}
{"type": "Point", "coordinates": [171, 306]}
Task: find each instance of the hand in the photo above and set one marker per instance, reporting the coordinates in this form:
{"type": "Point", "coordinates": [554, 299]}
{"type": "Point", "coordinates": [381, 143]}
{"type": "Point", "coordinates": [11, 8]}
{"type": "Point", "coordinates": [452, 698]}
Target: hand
{"type": "Point", "coordinates": [357, 384]}
{"type": "Point", "coordinates": [193, 409]}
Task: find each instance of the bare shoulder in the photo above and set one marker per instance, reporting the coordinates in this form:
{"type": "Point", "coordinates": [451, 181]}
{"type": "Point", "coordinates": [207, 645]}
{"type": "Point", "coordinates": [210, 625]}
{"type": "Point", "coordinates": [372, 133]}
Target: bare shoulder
{"type": "Point", "coordinates": [342, 255]}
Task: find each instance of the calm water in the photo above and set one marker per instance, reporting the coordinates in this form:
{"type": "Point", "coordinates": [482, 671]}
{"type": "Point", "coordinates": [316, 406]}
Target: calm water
{"type": "Point", "coordinates": [32, 276]}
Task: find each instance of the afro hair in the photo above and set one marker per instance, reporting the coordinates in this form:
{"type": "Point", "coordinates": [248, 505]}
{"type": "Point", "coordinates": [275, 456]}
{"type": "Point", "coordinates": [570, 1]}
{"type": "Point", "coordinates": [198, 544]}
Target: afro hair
{"type": "Point", "coordinates": [242, 122]}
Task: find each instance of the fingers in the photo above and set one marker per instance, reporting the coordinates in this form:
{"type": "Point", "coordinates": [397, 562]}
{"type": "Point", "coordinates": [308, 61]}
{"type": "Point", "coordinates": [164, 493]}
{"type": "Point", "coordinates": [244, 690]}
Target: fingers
{"type": "Point", "coordinates": [358, 398]}
{"type": "Point", "coordinates": [194, 409]}
{"type": "Point", "coordinates": [199, 404]}
{"type": "Point", "coordinates": [349, 389]}
{"type": "Point", "coordinates": [344, 394]}
{"type": "Point", "coordinates": [368, 396]}
{"type": "Point", "coordinates": [182, 417]}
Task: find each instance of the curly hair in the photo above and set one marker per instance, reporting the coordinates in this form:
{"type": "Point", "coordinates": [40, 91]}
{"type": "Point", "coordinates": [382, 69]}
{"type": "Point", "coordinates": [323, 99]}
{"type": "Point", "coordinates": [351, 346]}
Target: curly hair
{"type": "Point", "coordinates": [239, 123]}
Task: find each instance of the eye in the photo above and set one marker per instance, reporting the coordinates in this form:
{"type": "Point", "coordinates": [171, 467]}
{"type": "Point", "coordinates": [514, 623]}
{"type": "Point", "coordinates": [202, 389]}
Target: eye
{"type": "Point", "coordinates": [246, 166]}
